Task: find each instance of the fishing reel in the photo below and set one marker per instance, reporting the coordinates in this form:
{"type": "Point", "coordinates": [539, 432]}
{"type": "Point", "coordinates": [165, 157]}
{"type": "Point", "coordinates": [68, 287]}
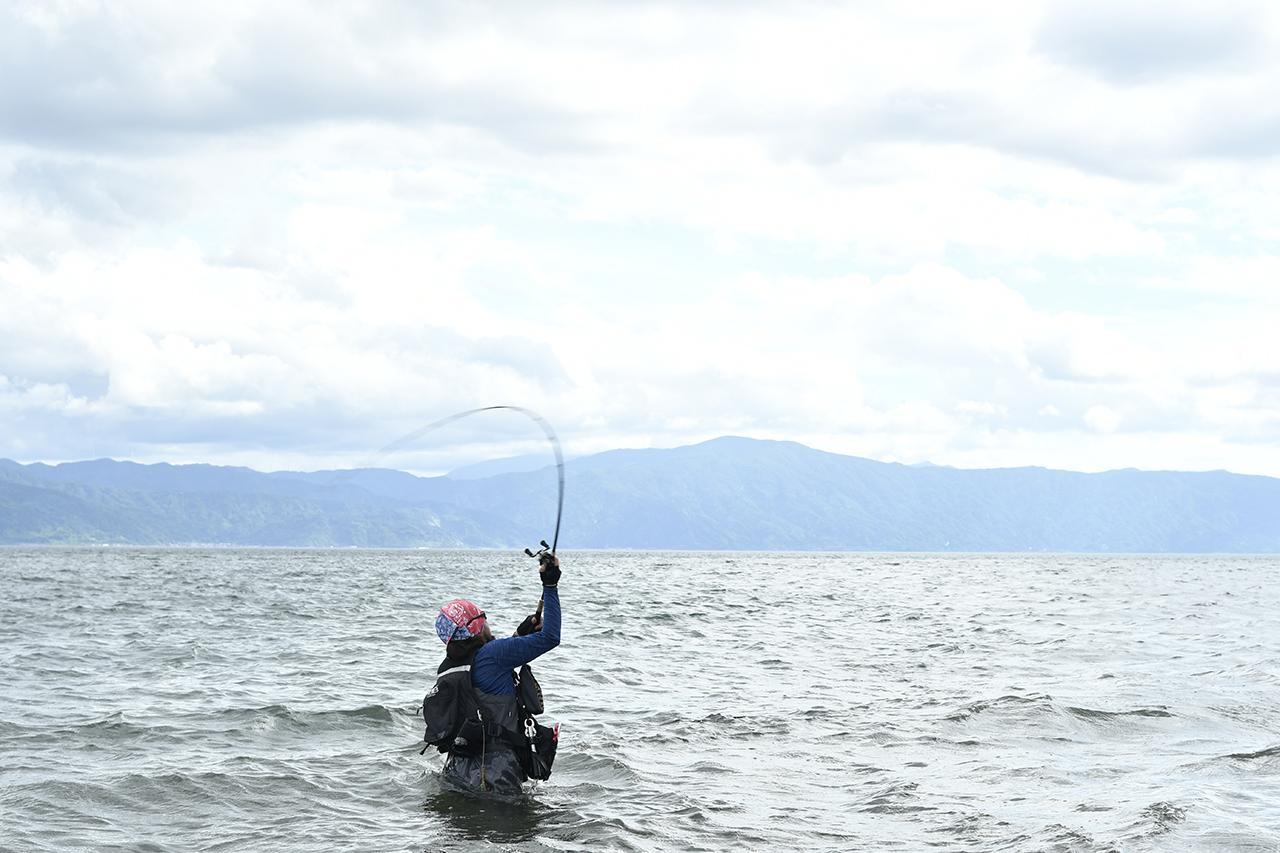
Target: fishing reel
{"type": "Point", "coordinates": [544, 555]}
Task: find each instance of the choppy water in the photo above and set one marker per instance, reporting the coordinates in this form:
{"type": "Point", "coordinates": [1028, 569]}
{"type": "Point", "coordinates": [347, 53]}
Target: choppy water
{"type": "Point", "coordinates": [260, 700]}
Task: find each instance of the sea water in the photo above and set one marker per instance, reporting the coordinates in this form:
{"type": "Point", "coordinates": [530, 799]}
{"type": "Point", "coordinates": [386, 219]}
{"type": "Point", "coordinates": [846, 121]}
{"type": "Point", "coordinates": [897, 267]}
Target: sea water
{"type": "Point", "coordinates": [212, 699]}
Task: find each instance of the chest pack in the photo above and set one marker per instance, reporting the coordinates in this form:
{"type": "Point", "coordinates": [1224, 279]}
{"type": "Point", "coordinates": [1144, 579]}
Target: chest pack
{"type": "Point", "coordinates": [458, 723]}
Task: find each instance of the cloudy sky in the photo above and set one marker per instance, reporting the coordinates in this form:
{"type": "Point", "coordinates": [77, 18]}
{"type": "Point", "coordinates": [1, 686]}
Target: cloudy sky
{"type": "Point", "coordinates": [282, 234]}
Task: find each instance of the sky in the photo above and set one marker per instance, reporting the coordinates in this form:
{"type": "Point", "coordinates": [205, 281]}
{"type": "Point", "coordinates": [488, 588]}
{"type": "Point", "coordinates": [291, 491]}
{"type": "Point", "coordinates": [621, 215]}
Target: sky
{"type": "Point", "coordinates": [983, 234]}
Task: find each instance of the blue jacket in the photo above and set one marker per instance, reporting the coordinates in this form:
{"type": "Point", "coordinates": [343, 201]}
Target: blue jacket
{"type": "Point", "coordinates": [493, 663]}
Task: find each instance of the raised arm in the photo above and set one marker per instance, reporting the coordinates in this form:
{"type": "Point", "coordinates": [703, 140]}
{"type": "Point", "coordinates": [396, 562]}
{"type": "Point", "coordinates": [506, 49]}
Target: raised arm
{"type": "Point", "coordinates": [511, 652]}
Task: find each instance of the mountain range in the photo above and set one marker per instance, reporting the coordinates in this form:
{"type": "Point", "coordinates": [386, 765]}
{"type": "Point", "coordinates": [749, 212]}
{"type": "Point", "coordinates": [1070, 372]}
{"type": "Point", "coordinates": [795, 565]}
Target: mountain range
{"type": "Point", "coordinates": [728, 493]}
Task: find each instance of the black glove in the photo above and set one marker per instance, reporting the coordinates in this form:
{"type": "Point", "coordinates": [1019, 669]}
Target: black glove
{"type": "Point", "coordinates": [549, 568]}
{"type": "Point", "coordinates": [530, 624]}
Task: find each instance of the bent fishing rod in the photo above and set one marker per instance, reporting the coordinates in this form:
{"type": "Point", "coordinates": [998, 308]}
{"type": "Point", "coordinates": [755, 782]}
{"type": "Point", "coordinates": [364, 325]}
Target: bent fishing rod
{"type": "Point", "coordinates": [546, 552]}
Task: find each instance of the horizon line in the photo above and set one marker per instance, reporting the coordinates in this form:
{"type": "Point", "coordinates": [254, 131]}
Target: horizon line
{"type": "Point", "coordinates": [570, 459]}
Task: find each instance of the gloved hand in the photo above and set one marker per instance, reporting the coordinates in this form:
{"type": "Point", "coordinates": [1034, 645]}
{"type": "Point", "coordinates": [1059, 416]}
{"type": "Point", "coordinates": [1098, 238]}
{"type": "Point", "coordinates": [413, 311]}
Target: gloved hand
{"type": "Point", "coordinates": [549, 568]}
{"type": "Point", "coordinates": [530, 624]}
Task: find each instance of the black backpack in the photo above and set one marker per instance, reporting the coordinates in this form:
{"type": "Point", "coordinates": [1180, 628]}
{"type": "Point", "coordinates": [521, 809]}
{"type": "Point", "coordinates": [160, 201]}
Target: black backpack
{"type": "Point", "coordinates": [455, 722]}
{"type": "Point", "coordinates": [450, 706]}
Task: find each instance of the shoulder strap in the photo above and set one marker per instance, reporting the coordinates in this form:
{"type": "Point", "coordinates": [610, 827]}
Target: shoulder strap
{"type": "Point", "coordinates": [463, 665]}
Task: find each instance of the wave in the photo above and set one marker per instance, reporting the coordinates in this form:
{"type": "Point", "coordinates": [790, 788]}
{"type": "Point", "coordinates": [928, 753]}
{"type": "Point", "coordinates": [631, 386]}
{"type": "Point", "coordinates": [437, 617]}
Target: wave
{"type": "Point", "coordinates": [604, 770]}
{"type": "Point", "coordinates": [1269, 752]}
{"type": "Point", "coordinates": [897, 798]}
{"type": "Point", "coordinates": [1164, 815]}
{"type": "Point", "coordinates": [115, 729]}
{"type": "Point", "coordinates": [1058, 837]}
{"type": "Point", "coordinates": [999, 703]}
{"type": "Point", "coordinates": [1045, 704]}
{"type": "Point", "coordinates": [1095, 714]}
{"type": "Point", "coordinates": [366, 715]}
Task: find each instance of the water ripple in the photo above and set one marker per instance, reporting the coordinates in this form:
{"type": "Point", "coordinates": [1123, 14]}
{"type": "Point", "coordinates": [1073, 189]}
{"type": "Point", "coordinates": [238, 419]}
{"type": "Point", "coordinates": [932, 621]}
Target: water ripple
{"type": "Point", "coordinates": [216, 699]}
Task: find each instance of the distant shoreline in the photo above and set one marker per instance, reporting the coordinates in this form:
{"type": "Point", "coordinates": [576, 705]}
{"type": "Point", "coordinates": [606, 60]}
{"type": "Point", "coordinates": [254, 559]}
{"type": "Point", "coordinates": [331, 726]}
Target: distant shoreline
{"type": "Point", "coordinates": [728, 494]}
{"type": "Point", "coordinates": [12, 546]}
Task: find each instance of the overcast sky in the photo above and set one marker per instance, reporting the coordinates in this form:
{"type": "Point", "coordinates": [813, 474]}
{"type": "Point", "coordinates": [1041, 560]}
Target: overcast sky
{"type": "Point", "coordinates": [284, 234]}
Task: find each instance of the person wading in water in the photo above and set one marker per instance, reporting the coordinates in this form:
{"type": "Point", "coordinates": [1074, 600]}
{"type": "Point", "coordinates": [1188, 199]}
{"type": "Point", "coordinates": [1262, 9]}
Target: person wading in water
{"type": "Point", "coordinates": [480, 711]}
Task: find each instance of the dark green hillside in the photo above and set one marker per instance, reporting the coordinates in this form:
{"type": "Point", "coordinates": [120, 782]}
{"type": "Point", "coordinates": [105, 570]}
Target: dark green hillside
{"type": "Point", "coordinates": [730, 493]}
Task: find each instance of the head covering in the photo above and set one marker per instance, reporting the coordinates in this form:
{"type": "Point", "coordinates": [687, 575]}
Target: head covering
{"type": "Point", "coordinates": [459, 620]}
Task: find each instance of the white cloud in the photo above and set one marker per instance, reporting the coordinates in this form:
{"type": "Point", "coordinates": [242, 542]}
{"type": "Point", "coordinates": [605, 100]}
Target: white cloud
{"type": "Point", "coordinates": [981, 409]}
{"type": "Point", "coordinates": [1102, 418]}
{"type": "Point", "coordinates": [286, 235]}
{"type": "Point", "coordinates": [1140, 41]}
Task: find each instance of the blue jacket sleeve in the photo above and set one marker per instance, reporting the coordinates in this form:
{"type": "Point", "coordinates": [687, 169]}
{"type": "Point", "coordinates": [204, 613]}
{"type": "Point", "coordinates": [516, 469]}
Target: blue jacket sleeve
{"type": "Point", "coordinates": [491, 670]}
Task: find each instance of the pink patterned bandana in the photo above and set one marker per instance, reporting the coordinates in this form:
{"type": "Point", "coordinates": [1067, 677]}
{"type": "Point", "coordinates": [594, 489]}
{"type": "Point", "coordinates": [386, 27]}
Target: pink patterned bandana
{"type": "Point", "coordinates": [459, 620]}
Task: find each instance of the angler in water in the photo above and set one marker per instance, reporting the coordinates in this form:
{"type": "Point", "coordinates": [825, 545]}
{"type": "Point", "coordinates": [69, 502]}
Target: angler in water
{"type": "Point", "coordinates": [481, 709]}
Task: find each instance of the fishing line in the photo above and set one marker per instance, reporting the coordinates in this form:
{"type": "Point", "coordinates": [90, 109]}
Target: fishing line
{"type": "Point", "coordinates": [409, 438]}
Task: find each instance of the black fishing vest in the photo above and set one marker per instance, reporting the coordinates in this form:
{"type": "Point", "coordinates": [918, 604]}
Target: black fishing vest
{"type": "Point", "coordinates": [465, 722]}
{"type": "Point", "coordinates": [451, 706]}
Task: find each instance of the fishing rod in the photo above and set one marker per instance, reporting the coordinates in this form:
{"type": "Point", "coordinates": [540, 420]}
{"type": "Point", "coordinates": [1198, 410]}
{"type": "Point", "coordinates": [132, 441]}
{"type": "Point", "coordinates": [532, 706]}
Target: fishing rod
{"type": "Point", "coordinates": [547, 552]}
{"type": "Point", "coordinates": [408, 438]}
